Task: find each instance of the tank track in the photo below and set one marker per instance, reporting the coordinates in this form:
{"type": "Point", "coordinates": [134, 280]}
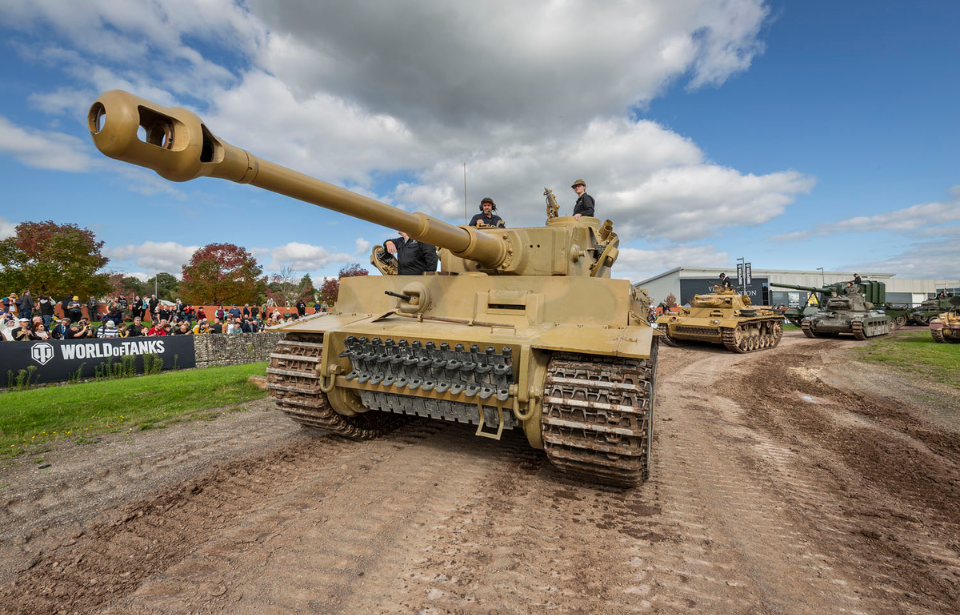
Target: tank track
{"type": "Point", "coordinates": [807, 330]}
{"type": "Point", "coordinates": [597, 417]}
{"type": "Point", "coordinates": [294, 384]}
{"type": "Point", "coordinates": [861, 333]}
{"type": "Point", "coordinates": [938, 336]}
{"type": "Point", "coordinates": [751, 343]}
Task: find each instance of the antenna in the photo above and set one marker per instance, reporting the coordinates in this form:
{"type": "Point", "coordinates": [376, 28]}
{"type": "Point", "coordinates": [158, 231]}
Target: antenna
{"type": "Point", "coordinates": [464, 192]}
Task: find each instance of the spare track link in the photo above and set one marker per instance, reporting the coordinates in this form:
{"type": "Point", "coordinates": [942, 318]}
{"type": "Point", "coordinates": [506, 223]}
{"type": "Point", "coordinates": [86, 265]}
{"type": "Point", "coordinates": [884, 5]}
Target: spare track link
{"type": "Point", "coordinates": [751, 343]}
{"type": "Point", "coordinates": [294, 384]}
{"type": "Point", "coordinates": [598, 417]}
{"type": "Point", "coordinates": [805, 325]}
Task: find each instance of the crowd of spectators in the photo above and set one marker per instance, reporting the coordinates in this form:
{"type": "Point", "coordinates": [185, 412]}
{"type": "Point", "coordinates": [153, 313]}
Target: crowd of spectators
{"type": "Point", "coordinates": [24, 319]}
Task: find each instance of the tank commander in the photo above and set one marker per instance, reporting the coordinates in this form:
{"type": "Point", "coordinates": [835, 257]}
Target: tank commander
{"type": "Point", "coordinates": [857, 279]}
{"type": "Point", "coordinates": [585, 204]}
{"type": "Point", "coordinates": [413, 257]}
{"type": "Point", "coordinates": [724, 281]}
{"type": "Point", "coordinates": [486, 217]}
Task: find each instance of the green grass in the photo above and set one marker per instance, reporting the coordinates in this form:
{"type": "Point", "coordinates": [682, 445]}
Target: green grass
{"type": "Point", "coordinates": [787, 327]}
{"type": "Point", "coordinates": [916, 353]}
{"type": "Point", "coordinates": [80, 412]}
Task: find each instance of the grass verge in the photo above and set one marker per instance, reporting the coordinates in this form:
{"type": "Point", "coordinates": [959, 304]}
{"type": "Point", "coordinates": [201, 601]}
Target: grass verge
{"type": "Point", "coordinates": [916, 353]}
{"type": "Point", "coordinates": [83, 411]}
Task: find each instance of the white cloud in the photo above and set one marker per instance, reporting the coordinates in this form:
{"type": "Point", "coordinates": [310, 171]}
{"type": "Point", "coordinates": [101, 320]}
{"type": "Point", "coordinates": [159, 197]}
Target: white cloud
{"type": "Point", "coordinates": [925, 260]}
{"type": "Point", "coordinates": [7, 228]}
{"type": "Point", "coordinates": [636, 265]}
{"type": "Point", "coordinates": [362, 245]}
{"type": "Point", "coordinates": [168, 256]}
{"type": "Point", "coordinates": [44, 149]}
{"type": "Point", "coordinates": [305, 257]}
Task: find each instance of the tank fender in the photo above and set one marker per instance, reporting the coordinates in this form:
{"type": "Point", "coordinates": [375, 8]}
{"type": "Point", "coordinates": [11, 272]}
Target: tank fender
{"type": "Point", "coordinates": [634, 342]}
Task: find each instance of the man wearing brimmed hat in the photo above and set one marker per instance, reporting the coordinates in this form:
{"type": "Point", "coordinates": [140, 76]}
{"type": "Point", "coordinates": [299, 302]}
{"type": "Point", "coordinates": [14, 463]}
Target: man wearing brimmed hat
{"type": "Point", "coordinates": [24, 333]}
{"type": "Point", "coordinates": [486, 217]}
{"type": "Point", "coordinates": [108, 329]}
{"type": "Point", "coordinates": [585, 204]}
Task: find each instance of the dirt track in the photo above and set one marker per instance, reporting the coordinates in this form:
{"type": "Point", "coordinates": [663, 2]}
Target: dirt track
{"type": "Point", "coordinates": [790, 481]}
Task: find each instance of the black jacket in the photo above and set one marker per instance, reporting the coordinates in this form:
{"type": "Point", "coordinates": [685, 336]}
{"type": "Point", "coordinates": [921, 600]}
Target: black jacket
{"type": "Point", "coordinates": [493, 220]}
{"type": "Point", "coordinates": [413, 257]}
{"type": "Point", "coordinates": [584, 205]}
{"type": "Point", "coordinates": [46, 306]}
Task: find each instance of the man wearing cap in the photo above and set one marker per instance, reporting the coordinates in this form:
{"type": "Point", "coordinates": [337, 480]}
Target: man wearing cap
{"type": "Point", "coordinates": [486, 217]}
{"type": "Point", "coordinates": [75, 309]}
{"type": "Point", "coordinates": [413, 257]}
{"type": "Point", "coordinates": [108, 329]}
{"type": "Point", "coordinates": [24, 333]}
{"type": "Point", "coordinates": [584, 206]}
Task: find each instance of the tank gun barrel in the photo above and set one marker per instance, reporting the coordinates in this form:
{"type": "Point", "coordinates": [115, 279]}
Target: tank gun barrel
{"type": "Point", "coordinates": [810, 289]}
{"type": "Point", "coordinates": [179, 147]}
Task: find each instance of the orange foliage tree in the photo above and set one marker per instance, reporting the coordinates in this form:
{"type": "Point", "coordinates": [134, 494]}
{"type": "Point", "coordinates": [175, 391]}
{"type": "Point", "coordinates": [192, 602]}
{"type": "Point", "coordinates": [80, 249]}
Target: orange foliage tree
{"type": "Point", "coordinates": [222, 274]}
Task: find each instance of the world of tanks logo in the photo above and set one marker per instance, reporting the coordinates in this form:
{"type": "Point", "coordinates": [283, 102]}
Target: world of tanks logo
{"type": "Point", "coordinates": [41, 353]}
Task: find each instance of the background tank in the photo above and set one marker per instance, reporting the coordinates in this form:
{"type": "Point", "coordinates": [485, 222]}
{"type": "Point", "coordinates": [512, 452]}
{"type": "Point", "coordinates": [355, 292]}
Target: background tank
{"type": "Point", "coordinates": [930, 309]}
{"type": "Point", "coordinates": [946, 327]}
{"type": "Point", "coordinates": [847, 313]}
{"type": "Point", "coordinates": [522, 329]}
{"type": "Point", "coordinates": [724, 317]}
{"type": "Point", "coordinates": [873, 291]}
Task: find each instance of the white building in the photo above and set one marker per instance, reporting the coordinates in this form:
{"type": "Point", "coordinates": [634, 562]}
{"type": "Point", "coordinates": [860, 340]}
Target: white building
{"type": "Point", "coordinates": [685, 282]}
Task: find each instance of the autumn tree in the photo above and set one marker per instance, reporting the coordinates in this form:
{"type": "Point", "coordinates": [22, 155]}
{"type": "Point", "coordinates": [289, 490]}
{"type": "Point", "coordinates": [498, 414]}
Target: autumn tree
{"type": "Point", "coordinates": [671, 300]}
{"type": "Point", "coordinates": [53, 259]}
{"type": "Point", "coordinates": [330, 289]}
{"type": "Point", "coordinates": [127, 286]}
{"type": "Point", "coordinates": [222, 274]}
{"type": "Point", "coordinates": [286, 287]}
{"type": "Point", "coordinates": [164, 285]}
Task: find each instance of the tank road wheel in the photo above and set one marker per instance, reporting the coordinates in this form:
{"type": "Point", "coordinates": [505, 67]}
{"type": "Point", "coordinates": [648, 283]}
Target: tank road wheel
{"type": "Point", "coordinates": [807, 329]}
{"type": "Point", "coordinates": [598, 417]}
{"type": "Point", "coordinates": [900, 321]}
{"type": "Point", "coordinates": [938, 336]}
{"type": "Point", "coordinates": [777, 333]}
{"type": "Point", "coordinates": [294, 384]}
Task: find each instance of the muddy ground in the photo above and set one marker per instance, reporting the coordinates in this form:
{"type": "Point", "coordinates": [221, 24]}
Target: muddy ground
{"type": "Point", "coordinates": [786, 481]}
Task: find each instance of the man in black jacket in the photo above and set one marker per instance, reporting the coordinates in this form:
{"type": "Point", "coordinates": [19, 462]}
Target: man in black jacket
{"type": "Point", "coordinates": [413, 257]}
{"type": "Point", "coordinates": [46, 310]}
{"type": "Point", "coordinates": [585, 204]}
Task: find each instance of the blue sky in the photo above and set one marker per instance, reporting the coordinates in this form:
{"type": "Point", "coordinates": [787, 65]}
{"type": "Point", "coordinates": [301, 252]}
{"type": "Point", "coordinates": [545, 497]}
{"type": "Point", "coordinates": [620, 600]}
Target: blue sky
{"type": "Point", "coordinates": [798, 135]}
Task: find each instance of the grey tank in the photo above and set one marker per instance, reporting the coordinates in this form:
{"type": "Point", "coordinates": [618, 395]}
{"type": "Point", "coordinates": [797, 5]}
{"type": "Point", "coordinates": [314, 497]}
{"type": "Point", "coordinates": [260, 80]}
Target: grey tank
{"type": "Point", "coordinates": [847, 313]}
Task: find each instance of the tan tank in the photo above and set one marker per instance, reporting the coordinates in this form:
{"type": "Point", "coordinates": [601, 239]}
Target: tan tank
{"type": "Point", "coordinates": [945, 328]}
{"type": "Point", "coordinates": [523, 328]}
{"type": "Point", "coordinates": [724, 317]}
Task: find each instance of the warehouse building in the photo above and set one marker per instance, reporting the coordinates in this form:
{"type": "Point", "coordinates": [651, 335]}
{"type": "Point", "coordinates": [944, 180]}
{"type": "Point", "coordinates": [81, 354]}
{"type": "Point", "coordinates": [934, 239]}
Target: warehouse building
{"type": "Point", "coordinates": [685, 282]}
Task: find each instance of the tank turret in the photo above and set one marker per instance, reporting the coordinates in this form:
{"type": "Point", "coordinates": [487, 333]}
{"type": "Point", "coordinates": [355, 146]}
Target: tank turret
{"type": "Point", "coordinates": [528, 331]}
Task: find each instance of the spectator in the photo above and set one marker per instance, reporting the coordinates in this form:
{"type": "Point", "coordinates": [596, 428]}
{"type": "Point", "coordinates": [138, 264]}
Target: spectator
{"type": "Point", "coordinates": [92, 309]}
{"type": "Point", "coordinates": [246, 310]}
{"type": "Point", "coordinates": [254, 312]}
{"type": "Point", "coordinates": [42, 333]}
{"type": "Point", "coordinates": [217, 326]}
{"type": "Point", "coordinates": [24, 333]}
{"type": "Point", "coordinates": [219, 314]}
{"type": "Point", "coordinates": [302, 308]}
{"type": "Point", "coordinates": [108, 330]}
{"type": "Point", "coordinates": [90, 330]}
{"type": "Point", "coordinates": [157, 329]}
{"type": "Point", "coordinates": [46, 304]}
{"type": "Point", "coordinates": [136, 308]}
{"type": "Point", "coordinates": [8, 327]}
{"type": "Point", "coordinates": [65, 305]}
{"type": "Point", "coordinates": [201, 313]}
{"type": "Point", "coordinates": [74, 309]}
{"type": "Point", "coordinates": [122, 330]}
{"type": "Point", "coordinates": [76, 331]}
{"type": "Point", "coordinates": [136, 329]}
{"type": "Point", "coordinates": [184, 328]}
{"type": "Point", "coordinates": [234, 311]}
{"type": "Point", "coordinates": [153, 303]}
{"type": "Point", "coordinates": [10, 304]}
{"type": "Point", "coordinates": [316, 306]}
{"type": "Point", "coordinates": [25, 305]}
{"type": "Point", "coordinates": [59, 332]}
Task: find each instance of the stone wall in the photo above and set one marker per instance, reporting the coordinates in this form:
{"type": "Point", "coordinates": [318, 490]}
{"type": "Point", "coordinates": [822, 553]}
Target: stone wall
{"type": "Point", "coordinates": [234, 349]}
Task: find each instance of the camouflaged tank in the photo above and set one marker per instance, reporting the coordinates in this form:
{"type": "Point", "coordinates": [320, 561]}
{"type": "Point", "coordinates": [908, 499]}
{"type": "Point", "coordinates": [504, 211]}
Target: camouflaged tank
{"type": "Point", "coordinates": [847, 313]}
{"type": "Point", "coordinates": [522, 329]}
{"type": "Point", "coordinates": [929, 309]}
{"type": "Point", "coordinates": [945, 328]}
{"type": "Point", "coordinates": [724, 317]}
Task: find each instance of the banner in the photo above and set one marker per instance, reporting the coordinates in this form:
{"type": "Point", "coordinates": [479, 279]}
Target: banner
{"type": "Point", "coordinates": [59, 360]}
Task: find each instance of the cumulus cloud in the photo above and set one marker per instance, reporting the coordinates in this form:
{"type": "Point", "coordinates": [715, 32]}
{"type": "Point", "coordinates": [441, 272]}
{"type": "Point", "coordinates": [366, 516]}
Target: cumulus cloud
{"type": "Point", "coordinates": [425, 87]}
{"type": "Point", "coordinates": [168, 256]}
{"type": "Point", "coordinates": [902, 220]}
{"type": "Point", "coordinates": [44, 149]}
{"type": "Point", "coordinates": [362, 245]}
{"type": "Point", "coordinates": [634, 264]}
{"type": "Point", "coordinates": [7, 228]}
{"type": "Point", "coordinates": [305, 257]}
{"type": "Point", "coordinates": [926, 260]}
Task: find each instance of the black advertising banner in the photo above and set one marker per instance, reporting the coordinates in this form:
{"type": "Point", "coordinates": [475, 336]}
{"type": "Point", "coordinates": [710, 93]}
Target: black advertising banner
{"type": "Point", "coordinates": [58, 360]}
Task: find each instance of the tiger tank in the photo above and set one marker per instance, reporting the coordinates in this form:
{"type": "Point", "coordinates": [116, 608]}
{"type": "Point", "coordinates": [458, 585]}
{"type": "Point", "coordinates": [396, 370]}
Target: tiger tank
{"type": "Point", "coordinates": [945, 328]}
{"type": "Point", "coordinates": [847, 312]}
{"type": "Point", "coordinates": [523, 328]}
{"type": "Point", "coordinates": [723, 317]}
